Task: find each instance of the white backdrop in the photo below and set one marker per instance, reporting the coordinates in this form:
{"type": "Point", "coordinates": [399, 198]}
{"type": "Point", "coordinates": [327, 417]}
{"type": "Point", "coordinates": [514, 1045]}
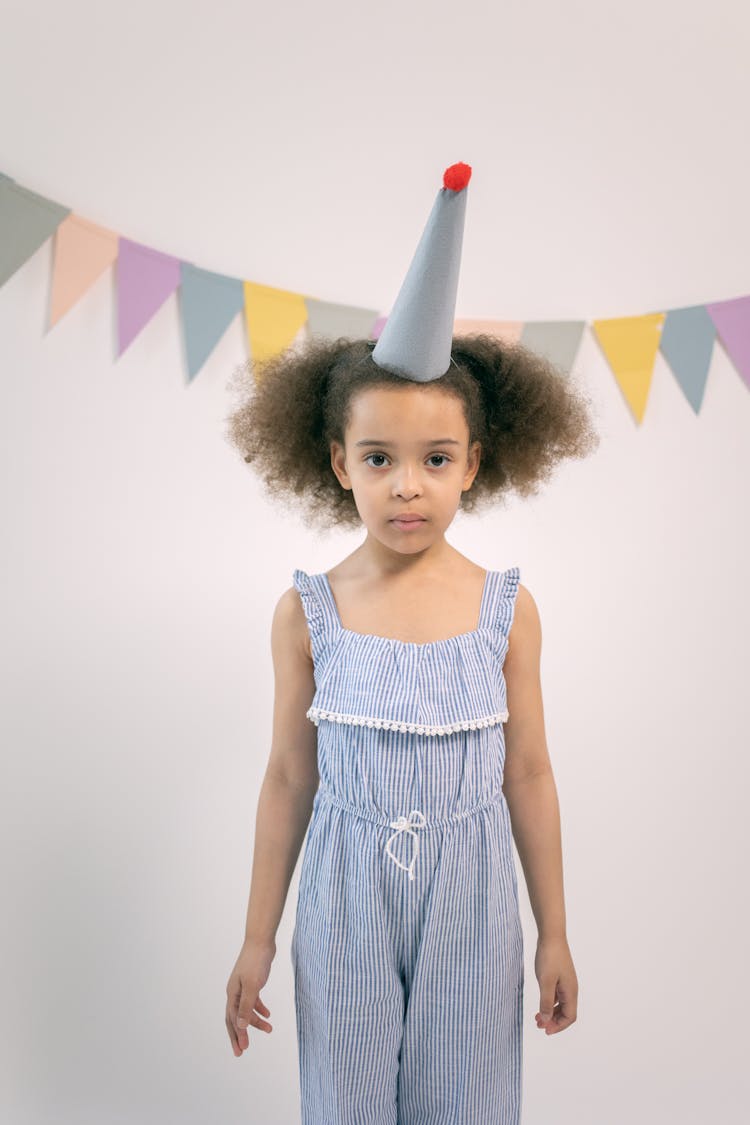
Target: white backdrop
{"type": "Point", "coordinates": [302, 146]}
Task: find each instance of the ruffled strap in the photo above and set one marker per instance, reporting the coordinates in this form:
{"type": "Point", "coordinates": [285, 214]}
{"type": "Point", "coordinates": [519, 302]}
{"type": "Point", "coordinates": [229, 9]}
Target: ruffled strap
{"type": "Point", "coordinates": [506, 601]}
{"type": "Point", "coordinates": [315, 614]}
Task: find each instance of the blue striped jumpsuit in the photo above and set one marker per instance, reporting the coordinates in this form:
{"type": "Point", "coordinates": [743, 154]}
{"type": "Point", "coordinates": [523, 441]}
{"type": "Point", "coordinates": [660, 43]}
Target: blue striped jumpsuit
{"type": "Point", "coordinates": [407, 947]}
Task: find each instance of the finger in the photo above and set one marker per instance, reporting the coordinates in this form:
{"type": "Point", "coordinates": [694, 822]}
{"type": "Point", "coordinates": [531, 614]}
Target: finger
{"type": "Point", "coordinates": [566, 1010]}
{"type": "Point", "coordinates": [564, 1016]}
{"type": "Point", "coordinates": [246, 1016]}
{"type": "Point", "coordinates": [233, 999]}
{"type": "Point", "coordinates": [238, 1034]}
{"type": "Point", "coordinates": [546, 1000]}
{"type": "Point", "coordinates": [232, 1034]}
{"type": "Point", "coordinates": [560, 1020]}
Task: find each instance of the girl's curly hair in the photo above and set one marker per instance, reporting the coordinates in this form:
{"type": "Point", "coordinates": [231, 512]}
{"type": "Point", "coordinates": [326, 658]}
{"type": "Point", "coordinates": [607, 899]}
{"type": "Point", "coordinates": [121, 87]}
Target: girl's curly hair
{"type": "Point", "coordinates": [525, 412]}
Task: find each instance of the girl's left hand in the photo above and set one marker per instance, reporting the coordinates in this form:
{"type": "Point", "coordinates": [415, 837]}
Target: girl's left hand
{"type": "Point", "coordinates": [558, 985]}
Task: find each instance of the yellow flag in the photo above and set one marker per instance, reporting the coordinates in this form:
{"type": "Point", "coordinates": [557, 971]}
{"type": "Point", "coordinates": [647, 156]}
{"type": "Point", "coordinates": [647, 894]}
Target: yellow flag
{"type": "Point", "coordinates": [630, 344]}
{"type": "Point", "coordinates": [274, 317]}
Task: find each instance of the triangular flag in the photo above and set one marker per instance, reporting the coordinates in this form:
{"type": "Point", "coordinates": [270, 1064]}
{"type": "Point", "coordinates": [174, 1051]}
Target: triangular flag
{"type": "Point", "coordinates": [687, 344]}
{"type": "Point", "coordinates": [26, 221]}
{"type": "Point", "coordinates": [509, 330]}
{"type": "Point", "coordinates": [324, 318]}
{"type": "Point", "coordinates": [630, 344]}
{"type": "Point", "coordinates": [209, 303]}
{"type": "Point", "coordinates": [145, 278]}
{"type": "Point", "coordinates": [556, 340]}
{"type": "Point", "coordinates": [83, 252]}
{"type": "Point", "coordinates": [274, 317]}
{"type": "Point", "coordinates": [732, 320]}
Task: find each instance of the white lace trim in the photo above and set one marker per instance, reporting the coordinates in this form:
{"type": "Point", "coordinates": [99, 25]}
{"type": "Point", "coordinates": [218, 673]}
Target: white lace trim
{"type": "Point", "coordinates": [317, 713]}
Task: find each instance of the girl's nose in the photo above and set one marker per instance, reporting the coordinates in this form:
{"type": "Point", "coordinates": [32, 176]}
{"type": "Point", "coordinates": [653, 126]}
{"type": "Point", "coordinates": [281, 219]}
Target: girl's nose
{"type": "Point", "coordinates": [408, 488]}
{"type": "Point", "coordinates": [408, 481]}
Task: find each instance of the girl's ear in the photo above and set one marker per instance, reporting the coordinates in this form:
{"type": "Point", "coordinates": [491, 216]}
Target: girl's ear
{"type": "Point", "coordinates": [338, 464]}
{"type": "Point", "coordinates": [474, 460]}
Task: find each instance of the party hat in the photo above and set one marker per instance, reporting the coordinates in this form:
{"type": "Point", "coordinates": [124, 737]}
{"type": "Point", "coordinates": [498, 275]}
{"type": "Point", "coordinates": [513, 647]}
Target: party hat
{"type": "Point", "coordinates": [416, 339]}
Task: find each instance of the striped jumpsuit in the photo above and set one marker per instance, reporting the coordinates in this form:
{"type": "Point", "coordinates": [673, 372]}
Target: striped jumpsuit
{"type": "Point", "coordinates": [407, 947]}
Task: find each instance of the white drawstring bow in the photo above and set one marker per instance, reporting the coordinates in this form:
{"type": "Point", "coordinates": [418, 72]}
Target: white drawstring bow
{"type": "Point", "coordinates": [415, 819]}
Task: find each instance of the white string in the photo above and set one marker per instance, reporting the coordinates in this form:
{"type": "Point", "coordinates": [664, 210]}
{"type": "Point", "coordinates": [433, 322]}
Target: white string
{"type": "Point", "coordinates": [415, 819]}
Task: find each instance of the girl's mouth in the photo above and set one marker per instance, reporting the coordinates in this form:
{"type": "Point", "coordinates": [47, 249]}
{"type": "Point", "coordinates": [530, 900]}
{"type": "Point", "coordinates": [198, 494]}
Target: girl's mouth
{"type": "Point", "coordinates": [407, 525]}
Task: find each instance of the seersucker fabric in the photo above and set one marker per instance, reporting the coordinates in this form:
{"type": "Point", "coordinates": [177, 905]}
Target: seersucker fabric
{"type": "Point", "coordinates": [407, 947]}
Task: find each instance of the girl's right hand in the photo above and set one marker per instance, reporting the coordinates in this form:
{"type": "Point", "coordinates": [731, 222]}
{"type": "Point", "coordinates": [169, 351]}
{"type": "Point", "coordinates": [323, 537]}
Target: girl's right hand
{"type": "Point", "coordinates": [249, 975]}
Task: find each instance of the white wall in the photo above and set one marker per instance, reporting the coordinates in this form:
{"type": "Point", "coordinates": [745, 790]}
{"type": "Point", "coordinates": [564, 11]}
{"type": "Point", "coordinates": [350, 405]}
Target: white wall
{"type": "Point", "coordinates": [302, 147]}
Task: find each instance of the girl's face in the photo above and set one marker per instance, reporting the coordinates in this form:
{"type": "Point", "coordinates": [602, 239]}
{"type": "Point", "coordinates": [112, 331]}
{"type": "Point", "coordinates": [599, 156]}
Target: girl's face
{"type": "Point", "coordinates": [406, 451]}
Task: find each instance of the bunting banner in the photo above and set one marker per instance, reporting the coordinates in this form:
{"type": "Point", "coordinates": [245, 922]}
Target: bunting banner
{"type": "Point", "coordinates": [275, 318]}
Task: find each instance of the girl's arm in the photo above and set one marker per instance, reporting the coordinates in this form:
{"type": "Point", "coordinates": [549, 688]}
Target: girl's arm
{"type": "Point", "coordinates": [291, 779]}
{"type": "Point", "coordinates": [529, 788]}
{"type": "Point", "coordinates": [283, 815]}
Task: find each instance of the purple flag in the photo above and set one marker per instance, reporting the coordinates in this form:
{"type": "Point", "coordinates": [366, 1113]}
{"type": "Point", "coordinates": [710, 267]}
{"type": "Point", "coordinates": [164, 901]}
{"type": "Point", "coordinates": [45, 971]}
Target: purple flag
{"type": "Point", "coordinates": [145, 278]}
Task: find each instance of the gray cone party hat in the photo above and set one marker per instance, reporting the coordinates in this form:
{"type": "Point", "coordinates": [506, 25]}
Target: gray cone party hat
{"type": "Point", "coordinates": [417, 336]}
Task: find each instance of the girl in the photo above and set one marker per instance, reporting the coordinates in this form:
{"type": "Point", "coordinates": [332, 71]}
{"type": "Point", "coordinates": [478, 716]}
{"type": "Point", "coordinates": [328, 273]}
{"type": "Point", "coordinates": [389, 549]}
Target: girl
{"type": "Point", "coordinates": [408, 731]}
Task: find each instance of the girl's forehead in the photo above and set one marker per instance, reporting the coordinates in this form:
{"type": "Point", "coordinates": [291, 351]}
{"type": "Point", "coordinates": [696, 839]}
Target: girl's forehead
{"type": "Point", "coordinates": [415, 399]}
{"type": "Point", "coordinates": [410, 415]}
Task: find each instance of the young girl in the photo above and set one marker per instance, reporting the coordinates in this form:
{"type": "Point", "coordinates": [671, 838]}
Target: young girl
{"type": "Point", "coordinates": [408, 731]}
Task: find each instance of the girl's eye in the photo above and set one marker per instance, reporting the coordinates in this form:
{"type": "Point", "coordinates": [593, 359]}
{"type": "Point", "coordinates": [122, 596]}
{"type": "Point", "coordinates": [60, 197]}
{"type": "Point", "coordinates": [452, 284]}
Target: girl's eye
{"type": "Point", "coordinates": [444, 457]}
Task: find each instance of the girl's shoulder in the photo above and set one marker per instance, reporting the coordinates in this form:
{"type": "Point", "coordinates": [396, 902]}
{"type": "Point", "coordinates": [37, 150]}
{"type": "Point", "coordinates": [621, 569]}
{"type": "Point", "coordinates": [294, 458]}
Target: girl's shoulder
{"type": "Point", "coordinates": [525, 626]}
{"type": "Point", "coordinates": [290, 620]}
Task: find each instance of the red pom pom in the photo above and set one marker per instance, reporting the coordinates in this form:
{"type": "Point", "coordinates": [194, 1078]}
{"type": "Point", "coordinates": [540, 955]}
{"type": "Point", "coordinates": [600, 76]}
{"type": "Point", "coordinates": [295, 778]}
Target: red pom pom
{"type": "Point", "coordinates": [457, 176]}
